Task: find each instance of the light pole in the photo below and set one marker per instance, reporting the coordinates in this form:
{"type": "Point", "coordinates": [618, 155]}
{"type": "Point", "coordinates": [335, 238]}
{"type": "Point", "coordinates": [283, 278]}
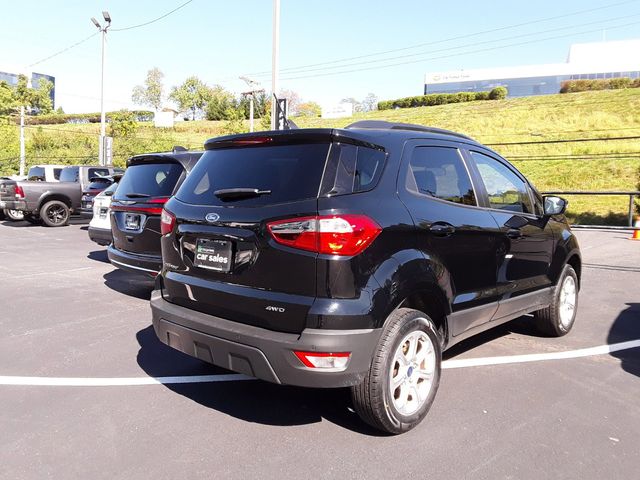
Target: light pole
{"type": "Point", "coordinates": [107, 19]}
{"type": "Point", "coordinates": [255, 88]}
{"type": "Point", "coordinates": [275, 60]}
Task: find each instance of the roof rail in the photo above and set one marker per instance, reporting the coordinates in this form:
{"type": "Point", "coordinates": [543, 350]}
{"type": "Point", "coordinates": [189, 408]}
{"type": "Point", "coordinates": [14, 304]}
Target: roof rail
{"type": "Point", "coordinates": [384, 125]}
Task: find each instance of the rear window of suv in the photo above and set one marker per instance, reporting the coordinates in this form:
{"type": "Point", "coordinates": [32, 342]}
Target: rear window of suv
{"type": "Point", "coordinates": [149, 179]}
{"type": "Point", "coordinates": [291, 172]}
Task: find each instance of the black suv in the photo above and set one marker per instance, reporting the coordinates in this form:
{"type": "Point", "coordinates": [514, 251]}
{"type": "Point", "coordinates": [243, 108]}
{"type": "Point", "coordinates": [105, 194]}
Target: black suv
{"type": "Point", "coordinates": [136, 205]}
{"type": "Point", "coordinates": [354, 257]}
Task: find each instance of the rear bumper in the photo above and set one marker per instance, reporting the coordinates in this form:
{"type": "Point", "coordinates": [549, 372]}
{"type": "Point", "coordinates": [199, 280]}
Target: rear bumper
{"type": "Point", "coordinates": [262, 353]}
{"type": "Point", "coordinates": [13, 205]}
{"type": "Point", "coordinates": [141, 264]}
{"type": "Point", "coordinates": [102, 236]}
{"type": "Point", "coordinates": [85, 212]}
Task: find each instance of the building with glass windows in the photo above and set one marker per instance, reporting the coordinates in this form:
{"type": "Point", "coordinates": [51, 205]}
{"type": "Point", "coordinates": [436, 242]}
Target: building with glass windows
{"type": "Point", "coordinates": [12, 79]}
{"type": "Point", "coordinates": [585, 61]}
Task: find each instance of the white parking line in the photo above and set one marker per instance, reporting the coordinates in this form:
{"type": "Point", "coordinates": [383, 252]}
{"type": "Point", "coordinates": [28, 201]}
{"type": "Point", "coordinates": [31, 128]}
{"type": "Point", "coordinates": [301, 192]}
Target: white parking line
{"type": "Point", "coordinates": [447, 364]}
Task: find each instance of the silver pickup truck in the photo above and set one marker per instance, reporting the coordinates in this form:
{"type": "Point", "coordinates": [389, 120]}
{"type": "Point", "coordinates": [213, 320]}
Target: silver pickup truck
{"type": "Point", "coordinates": [41, 173]}
{"type": "Point", "coordinates": [51, 202]}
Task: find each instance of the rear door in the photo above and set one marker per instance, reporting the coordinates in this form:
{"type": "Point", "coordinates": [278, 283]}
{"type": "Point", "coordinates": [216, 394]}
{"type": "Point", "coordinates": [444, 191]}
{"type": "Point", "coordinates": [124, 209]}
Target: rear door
{"type": "Point", "coordinates": [223, 260]}
{"type": "Point", "coordinates": [137, 204]}
{"type": "Point", "coordinates": [453, 230]}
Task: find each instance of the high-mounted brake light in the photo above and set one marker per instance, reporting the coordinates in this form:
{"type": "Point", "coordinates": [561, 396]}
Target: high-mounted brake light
{"type": "Point", "coordinates": [252, 141]}
{"type": "Point", "coordinates": [19, 191]}
{"type": "Point", "coordinates": [167, 222]}
{"type": "Point", "coordinates": [330, 234]}
{"type": "Point", "coordinates": [328, 360]}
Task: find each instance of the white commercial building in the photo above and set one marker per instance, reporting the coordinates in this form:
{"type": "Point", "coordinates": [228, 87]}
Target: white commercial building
{"type": "Point", "coordinates": [585, 61]}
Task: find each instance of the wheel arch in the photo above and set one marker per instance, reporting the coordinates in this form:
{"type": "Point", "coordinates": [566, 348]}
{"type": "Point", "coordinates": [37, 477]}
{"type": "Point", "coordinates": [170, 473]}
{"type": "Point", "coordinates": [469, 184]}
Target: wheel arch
{"type": "Point", "coordinates": [54, 196]}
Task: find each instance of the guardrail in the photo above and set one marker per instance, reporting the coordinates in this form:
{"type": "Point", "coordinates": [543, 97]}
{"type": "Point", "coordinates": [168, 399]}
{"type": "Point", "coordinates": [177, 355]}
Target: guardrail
{"type": "Point", "coordinates": [631, 195]}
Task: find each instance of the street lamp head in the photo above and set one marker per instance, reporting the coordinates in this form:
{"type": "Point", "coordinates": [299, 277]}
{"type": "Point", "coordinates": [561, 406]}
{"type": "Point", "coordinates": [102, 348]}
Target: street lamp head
{"type": "Point", "coordinates": [106, 16]}
{"type": "Point", "coordinates": [95, 22]}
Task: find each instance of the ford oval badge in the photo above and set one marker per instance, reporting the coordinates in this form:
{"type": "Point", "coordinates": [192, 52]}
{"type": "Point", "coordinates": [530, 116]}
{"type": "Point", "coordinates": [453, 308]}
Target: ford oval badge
{"type": "Point", "coordinates": [212, 217]}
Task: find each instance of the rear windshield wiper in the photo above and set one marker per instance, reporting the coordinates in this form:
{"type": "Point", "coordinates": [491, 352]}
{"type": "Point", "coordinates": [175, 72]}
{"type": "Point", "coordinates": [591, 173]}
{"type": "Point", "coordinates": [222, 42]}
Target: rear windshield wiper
{"type": "Point", "coordinates": [137, 195]}
{"type": "Point", "coordinates": [233, 193]}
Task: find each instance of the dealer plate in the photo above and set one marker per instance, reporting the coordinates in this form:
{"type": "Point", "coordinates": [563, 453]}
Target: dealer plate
{"type": "Point", "coordinates": [213, 255]}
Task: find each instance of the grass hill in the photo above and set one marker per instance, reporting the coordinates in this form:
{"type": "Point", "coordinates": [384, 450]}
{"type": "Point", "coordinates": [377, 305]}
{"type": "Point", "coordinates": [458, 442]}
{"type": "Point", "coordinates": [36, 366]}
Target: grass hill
{"type": "Point", "coordinates": [524, 130]}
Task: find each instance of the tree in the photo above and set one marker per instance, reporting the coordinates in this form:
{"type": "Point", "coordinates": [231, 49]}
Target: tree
{"type": "Point", "coordinates": [35, 100]}
{"type": "Point", "coordinates": [150, 95]}
{"type": "Point", "coordinates": [122, 124]}
{"type": "Point", "coordinates": [7, 99]}
{"type": "Point", "coordinates": [221, 102]}
{"type": "Point", "coordinates": [309, 109]}
{"type": "Point", "coordinates": [60, 111]}
{"type": "Point", "coordinates": [370, 103]}
{"type": "Point", "coordinates": [293, 101]}
{"type": "Point", "coordinates": [193, 95]}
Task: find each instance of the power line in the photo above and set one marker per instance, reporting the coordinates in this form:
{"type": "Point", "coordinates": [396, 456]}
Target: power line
{"type": "Point", "coordinates": [66, 49]}
{"type": "Point", "coordinates": [456, 54]}
{"type": "Point", "coordinates": [459, 37]}
{"type": "Point", "coordinates": [457, 47]}
{"type": "Point", "coordinates": [154, 20]}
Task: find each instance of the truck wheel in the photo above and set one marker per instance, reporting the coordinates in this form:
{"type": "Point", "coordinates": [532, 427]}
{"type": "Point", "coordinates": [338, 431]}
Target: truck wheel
{"type": "Point", "coordinates": [54, 214]}
{"type": "Point", "coordinates": [13, 215]}
{"type": "Point", "coordinates": [558, 318]}
{"type": "Point", "coordinates": [403, 379]}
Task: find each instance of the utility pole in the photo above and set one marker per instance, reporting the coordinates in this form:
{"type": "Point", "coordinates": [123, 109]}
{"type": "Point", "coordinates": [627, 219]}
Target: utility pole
{"type": "Point", "coordinates": [101, 151]}
{"type": "Point", "coordinates": [275, 60]}
{"type": "Point", "coordinates": [255, 88]}
{"type": "Point", "coordinates": [23, 157]}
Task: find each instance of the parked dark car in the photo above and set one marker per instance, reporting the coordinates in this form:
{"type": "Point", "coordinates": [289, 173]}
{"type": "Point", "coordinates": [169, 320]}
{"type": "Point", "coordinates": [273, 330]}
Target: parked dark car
{"type": "Point", "coordinates": [96, 186]}
{"type": "Point", "coordinates": [354, 257]}
{"type": "Point", "coordinates": [136, 206]}
{"type": "Point", "coordinates": [52, 202]}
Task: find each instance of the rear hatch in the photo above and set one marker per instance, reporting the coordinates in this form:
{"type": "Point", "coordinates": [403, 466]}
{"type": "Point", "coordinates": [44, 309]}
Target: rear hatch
{"type": "Point", "coordinates": [138, 201]}
{"type": "Point", "coordinates": [7, 189]}
{"type": "Point", "coordinates": [240, 246]}
{"type": "Point", "coordinates": [95, 186]}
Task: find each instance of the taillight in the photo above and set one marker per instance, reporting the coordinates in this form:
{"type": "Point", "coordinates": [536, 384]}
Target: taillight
{"type": "Point", "coordinates": [324, 360]}
{"type": "Point", "coordinates": [167, 222]}
{"type": "Point", "coordinates": [160, 200]}
{"type": "Point", "coordinates": [330, 234]}
{"type": "Point", "coordinates": [19, 191]}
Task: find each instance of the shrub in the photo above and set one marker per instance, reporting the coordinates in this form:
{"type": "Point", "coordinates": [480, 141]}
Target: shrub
{"type": "Point", "coordinates": [573, 86]}
{"type": "Point", "coordinates": [442, 99]}
{"type": "Point", "coordinates": [498, 93]}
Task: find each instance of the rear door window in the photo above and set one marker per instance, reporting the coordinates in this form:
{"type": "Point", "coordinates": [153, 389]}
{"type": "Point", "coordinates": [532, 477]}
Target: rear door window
{"type": "Point", "coordinates": [36, 174]}
{"type": "Point", "coordinates": [440, 172]}
{"type": "Point", "coordinates": [149, 180]}
{"type": "Point", "coordinates": [69, 174]}
{"type": "Point", "coordinates": [98, 172]}
{"type": "Point", "coordinates": [290, 172]}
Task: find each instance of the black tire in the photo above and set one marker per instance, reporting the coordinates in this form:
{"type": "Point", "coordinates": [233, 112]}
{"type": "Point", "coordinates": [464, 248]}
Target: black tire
{"type": "Point", "coordinates": [13, 215]}
{"type": "Point", "coordinates": [549, 321]}
{"type": "Point", "coordinates": [32, 219]}
{"type": "Point", "coordinates": [55, 214]}
{"type": "Point", "coordinates": [372, 398]}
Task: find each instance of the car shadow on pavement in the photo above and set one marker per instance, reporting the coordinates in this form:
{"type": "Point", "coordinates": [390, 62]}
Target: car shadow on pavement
{"type": "Point", "coordinates": [251, 400]}
{"type": "Point", "coordinates": [99, 256]}
{"type": "Point", "coordinates": [21, 223]}
{"type": "Point", "coordinates": [521, 326]}
{"type": "Point", "coordinates": [137, 286]}
{"type": "Point", "coordinates": [626, 327]}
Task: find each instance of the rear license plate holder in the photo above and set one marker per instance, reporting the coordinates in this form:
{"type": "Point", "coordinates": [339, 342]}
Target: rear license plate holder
{"type": "Point", "coordinates": [213, 255]}
{"type": "Point", "coordinates": [132, 221]}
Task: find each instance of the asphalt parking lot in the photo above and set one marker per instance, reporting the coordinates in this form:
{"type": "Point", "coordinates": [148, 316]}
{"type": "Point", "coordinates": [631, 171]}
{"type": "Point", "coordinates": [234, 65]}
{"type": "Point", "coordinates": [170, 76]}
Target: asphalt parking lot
{"type": "Point", "coordinates": [68, 316]}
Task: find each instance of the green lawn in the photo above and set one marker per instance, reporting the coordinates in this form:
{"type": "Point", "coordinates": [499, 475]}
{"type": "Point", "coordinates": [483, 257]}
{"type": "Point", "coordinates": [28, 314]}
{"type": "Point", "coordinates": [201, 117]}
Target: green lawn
{"type": "Point", "coordinates": [599, 165]}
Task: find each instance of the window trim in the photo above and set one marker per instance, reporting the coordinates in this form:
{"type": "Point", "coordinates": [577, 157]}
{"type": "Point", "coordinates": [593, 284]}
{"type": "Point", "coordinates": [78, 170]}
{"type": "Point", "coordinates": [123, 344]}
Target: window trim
{"type": "Point", "coordinates": [440, 144]}
{"type": "Point", "coordinates": [505, 163]}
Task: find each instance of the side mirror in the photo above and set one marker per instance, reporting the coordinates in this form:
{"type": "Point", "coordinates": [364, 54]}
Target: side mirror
{"type": "Point", "coordinates": [555, 205]}
{"type": "Point", "coordinates": [109, 193]}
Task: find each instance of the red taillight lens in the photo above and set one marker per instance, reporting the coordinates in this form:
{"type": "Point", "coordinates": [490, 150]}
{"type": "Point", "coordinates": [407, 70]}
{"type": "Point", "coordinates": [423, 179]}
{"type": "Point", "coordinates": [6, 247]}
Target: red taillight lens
{"type": "Point", "coordinates": [324, 360]}
{"type": "Point", "coordinates": [19, 191]}
{"type": "Point", "coordinates": [167, 222]}
{"type": "Point", "coordinates": [331, 234]}
{"type": "Point", "coordinates": [160, 200]}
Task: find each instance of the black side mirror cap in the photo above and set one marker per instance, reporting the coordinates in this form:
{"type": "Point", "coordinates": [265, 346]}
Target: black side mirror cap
{"type": "Point", "coordinates": [554, 205]}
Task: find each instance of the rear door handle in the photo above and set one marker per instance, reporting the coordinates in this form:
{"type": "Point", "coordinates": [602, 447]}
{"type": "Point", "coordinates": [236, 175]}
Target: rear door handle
{"type": "Point", "coordinates": [514, 233]}
{"type": "Point", "coordinates": [442, 229]}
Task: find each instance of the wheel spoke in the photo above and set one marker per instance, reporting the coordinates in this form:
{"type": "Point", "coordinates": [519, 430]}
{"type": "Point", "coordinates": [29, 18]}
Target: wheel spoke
{"type": "Point", "coordinates": [413, 347]}
{"type": "Point", "coordinates": [397, 381]}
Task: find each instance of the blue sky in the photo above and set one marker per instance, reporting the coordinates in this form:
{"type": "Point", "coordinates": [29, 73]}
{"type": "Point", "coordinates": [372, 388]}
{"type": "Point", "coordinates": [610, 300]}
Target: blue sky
{"type": "Point", "coordinates": [221, 40]}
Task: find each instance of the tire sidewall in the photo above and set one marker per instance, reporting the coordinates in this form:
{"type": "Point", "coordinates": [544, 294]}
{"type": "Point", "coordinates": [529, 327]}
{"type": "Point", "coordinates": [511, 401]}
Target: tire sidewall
{"type": "Point", "coordinates": [47, 206]}
{"type": "Point", "coordinates": [11, 216]}
{"type": "Point", "coordinates": [566, 272]}
{"type": "Point", "coordinates": [423, 323]}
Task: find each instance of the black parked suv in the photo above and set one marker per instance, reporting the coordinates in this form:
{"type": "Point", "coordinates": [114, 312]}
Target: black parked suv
{"type": "Point", "coordinates": [136, 206]}
{"type": "Point", "coordinates": [354, 257]}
